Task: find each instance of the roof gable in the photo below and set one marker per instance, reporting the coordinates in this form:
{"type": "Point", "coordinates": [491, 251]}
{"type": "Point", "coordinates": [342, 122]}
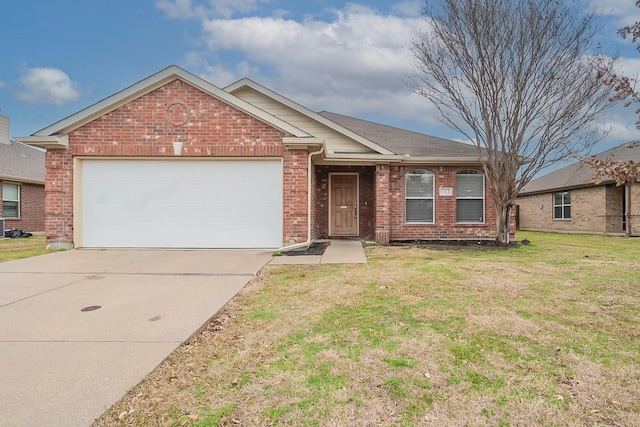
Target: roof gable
{"type": "Point", "coordinates": [153, 82]}
{"type": "Point", "coordinates": [344, 138]}
{"type": "Point", "coordinates": [247, 83]}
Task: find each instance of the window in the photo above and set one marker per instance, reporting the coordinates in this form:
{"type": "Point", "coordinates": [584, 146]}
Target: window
{"type": "Point", "coordinates": [562, 205]}
{"type": "Point", "coordinates": [470, 197]}
{"type": "Point", "coordinates": [419, 196]}
{"type": "Point", "coordinates": [10, 200]}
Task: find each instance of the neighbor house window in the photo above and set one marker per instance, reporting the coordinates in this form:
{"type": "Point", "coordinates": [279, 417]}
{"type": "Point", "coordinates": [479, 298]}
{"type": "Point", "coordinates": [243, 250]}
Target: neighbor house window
{"type": "Point", "coordinates": [562, 205]}
{"type": "Point", "coordinates": [419, 196]}
{"type": "Point", "coordinates": [470, 197]}
{"type": "Point", "coordinates": [10, 200]}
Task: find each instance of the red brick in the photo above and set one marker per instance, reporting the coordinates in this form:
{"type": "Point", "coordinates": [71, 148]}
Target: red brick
{"type": "Point", "coordinates": [31, 209]}
{"type": "Point", "coordinates": [139, 129]}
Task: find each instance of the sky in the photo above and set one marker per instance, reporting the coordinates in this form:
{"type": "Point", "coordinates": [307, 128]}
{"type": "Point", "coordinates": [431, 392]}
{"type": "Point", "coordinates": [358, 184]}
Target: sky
{"type": "Point", "coordinates": [351, 58]}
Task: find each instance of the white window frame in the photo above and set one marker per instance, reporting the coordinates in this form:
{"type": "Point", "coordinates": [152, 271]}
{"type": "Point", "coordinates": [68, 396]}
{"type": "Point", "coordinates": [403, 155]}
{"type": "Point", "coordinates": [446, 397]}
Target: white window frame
{"type": "Point", "coordinates": [563, 205]}
{"type": "Point", "coordinates": [459, 197]}
{"type": "Point", "coordinates": [421, 172]}
{"type": "Point", "coordinates": [5, 200]}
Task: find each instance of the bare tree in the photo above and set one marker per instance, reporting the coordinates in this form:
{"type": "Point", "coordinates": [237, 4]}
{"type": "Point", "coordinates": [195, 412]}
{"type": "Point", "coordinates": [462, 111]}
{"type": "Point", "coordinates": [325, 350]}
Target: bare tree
{"type": "Point", "coordinates": [632, 30]}
{"type": "Point", "coordinates": [622, 85]}
{"type": "Point", "coordinates": [624, 172]}
{"type": "Point", "coordinates": [517, 77]}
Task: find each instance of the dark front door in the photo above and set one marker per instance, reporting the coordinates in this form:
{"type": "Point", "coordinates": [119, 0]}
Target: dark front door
{"type": "Point", "coordinates": [343, 213]}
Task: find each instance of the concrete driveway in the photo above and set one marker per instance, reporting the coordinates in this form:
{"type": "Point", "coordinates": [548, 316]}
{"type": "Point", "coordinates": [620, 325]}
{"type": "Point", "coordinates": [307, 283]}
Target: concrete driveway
{"type": "Point", "coordinates": [62, 366]}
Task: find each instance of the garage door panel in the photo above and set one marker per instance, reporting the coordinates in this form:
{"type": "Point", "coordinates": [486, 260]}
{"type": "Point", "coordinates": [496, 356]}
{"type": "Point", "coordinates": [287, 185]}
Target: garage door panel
{"type": "Point", "coordinates": [181, 204]}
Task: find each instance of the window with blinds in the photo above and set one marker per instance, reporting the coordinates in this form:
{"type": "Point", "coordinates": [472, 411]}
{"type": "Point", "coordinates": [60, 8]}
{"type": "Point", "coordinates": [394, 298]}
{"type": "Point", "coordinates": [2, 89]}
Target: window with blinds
{"type": "Point", "coordinates": [419, 196]}
{"type": "Point", "coordinates": [470, 197]}
{"type": "Point", "coordinates": [10, 200]}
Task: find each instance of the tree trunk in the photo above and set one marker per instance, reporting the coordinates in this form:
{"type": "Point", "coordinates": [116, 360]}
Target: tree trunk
{"type": "Point", "coordinates": [503, 222]}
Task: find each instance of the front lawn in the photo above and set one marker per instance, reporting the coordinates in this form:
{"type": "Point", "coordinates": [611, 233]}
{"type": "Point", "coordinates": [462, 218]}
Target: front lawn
{"type": "Point", "coordinates": [543, 334]}
{"type": "Point", "coordinates": [11, 249]}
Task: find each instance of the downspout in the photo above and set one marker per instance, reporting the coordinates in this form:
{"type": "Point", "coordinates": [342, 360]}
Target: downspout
{"type": "Point", "coordinates": [308, 242]}
{"type": "Point", "coordinates": [627, 196]}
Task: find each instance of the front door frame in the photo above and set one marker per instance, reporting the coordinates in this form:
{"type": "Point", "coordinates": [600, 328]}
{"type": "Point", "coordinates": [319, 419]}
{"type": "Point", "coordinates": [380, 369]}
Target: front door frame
{"type": "Point", "coordinates": [330, 204]}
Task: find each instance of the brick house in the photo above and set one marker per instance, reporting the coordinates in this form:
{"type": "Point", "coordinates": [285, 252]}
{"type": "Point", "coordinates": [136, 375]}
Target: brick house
{"type": "Point", "coordinates": [22, 175]}
{"type": "Point", "coordinates": [568, 201]}
{"type": "Point", "coordinates": [174, 161]}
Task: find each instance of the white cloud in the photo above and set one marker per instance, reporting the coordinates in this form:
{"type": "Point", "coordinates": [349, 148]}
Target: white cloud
{"type": "Point", "coordinates": [355, 63]}
{"type": "Point", "coordinates": [228, 8]}
{"type": "Point", "coordinates": [625, 10]}
{"type": "Point", "coordinates": [621, 123]}
{"type": "Point", "coordinates": [2, 84]}
{"type": "Point", "coordinates": [182, 9]}
{"type": "Point", "coordinates": [215, 73]}
{"type": "Point", "coordinates": [630, 67]}
{"type": "Point", "coordinates": [177, 9]}
{"type": "Point", "coordinates": [613, 7]}
{"type": "Point", "coordinates": [47, 86]}
{"type": "Point", "coordinates": [409, 8]}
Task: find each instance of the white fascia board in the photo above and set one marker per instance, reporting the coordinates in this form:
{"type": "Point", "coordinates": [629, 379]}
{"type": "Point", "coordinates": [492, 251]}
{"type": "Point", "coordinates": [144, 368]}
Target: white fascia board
{"type": "Point", "coordinates": [302, 143]}
{"type": "Point", "coordinates": [47, 142]}
{"type": "Point", "coordinates": [20, 180]}
{"type": "Point", "coordinates": [395, 158]}
{"type": "Point", "coordinates": [566, 188]}
{"type": "Point", "coordinates": [305, 111]}
{"type": "Point", "coordinates": [442, 160]}
{"type": "Point", "coordinates": [153, 82]}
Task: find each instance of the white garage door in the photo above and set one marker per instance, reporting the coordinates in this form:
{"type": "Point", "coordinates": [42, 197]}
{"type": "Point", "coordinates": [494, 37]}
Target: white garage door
{"type": "Point", "coordinates": [181, 203]}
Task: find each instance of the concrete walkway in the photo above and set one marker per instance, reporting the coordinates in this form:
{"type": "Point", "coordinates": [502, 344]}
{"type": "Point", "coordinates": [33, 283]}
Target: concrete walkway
{"type": "Point", "coordinates": [338, 252]}
{"type": "Point", "coordinates": [80, 328]}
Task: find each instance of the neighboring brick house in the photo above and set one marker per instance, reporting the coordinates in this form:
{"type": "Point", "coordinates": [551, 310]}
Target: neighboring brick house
{"type": "Point", "coordinates": [22, 175]}
{"type": "Point", "coordinates": [174, 161]}
{"type": "Point", "coordinates": [568, 201]}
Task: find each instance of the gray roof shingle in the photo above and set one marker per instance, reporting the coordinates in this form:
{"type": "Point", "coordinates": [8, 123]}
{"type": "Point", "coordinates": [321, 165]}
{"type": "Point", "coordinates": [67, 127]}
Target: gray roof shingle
{"type": "Point", "coordinates": [578, 174]}
{"type": "Point", "coordinates": [22, 163]}
{"type": "Point", "coordinates": [402, 141]}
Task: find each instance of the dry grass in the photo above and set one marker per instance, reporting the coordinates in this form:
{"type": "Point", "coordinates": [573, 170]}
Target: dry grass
{"type": "Point", "coordinates": [545, 334]}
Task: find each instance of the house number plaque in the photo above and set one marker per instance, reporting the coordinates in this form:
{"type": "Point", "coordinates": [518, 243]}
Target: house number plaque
{"type": "Point", "coordinates": [446, 191]}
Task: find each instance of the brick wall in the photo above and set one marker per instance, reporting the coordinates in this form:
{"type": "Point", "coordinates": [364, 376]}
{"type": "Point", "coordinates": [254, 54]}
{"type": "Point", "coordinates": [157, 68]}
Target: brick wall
{"type": "Point", "coordinates": [295, 207]}
{"type": "Point", "coordinates": [635, 209]}
{"type": "Point", "coordinates": [149, 125]}
{"type": "Point", "coordinates": [31, 209]}
{"type": "Point", "coordinates": [58, 225]}
{"type": "Point", "coordinates": [382, 205]}
{"type": "Point", "coordinates": [614, 209]}
{"type": "Point", "coordinates": [366, 205]}
{"type": "Point", "coordinates": [444, 226]}
{"type": "Point", "coordinates": [588, 211]}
